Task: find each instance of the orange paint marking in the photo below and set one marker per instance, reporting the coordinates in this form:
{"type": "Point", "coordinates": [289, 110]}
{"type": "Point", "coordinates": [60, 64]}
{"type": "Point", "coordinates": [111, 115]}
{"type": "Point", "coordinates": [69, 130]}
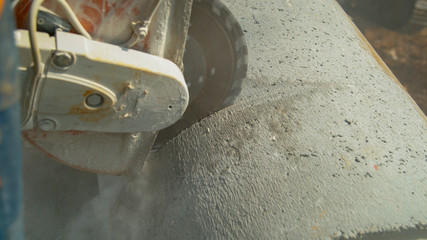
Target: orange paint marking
{"type": "Point", "coordinates": [92, 14]}
{"type": "Point", "coordinates": [376, 167]}
{"type": "Point", "coordinates": [87, 25]}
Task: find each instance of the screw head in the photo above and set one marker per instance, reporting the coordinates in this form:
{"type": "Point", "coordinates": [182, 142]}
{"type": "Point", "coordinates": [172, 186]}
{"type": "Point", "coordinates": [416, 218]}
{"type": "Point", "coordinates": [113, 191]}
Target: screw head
{"type": "Point", "coordinates": [41, 21]}
{"type": "Point", "coordinates": [94, 100]}
{"type": "Point", "coordinates": [47, 124]}
{"type": "Point", "coordinates": [63, 60]}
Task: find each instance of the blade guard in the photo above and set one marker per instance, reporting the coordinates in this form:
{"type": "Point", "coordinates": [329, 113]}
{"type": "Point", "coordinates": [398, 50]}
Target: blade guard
{"type": "Point", "coordinates": [94, 86]}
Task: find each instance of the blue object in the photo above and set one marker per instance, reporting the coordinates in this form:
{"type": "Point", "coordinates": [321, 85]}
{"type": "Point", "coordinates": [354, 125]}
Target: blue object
{"type": "Point", "coordinates": [11, 207]}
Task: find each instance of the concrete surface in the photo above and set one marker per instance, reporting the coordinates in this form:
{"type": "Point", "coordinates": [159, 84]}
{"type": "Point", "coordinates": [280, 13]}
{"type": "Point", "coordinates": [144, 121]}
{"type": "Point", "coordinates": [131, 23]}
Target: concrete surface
{"type": "Point", "coordinates": [322, 144]}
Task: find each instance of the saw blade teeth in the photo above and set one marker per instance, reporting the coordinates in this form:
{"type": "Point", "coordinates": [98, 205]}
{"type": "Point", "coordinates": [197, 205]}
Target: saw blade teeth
{"type": "Point", "coordinates": [242, 61]}
{"type": "Point", "coordinates": [240, 43]}
{"type": "Point", "coordinates": [229, 23]}
{"type": "Point", "coordinates": [216, 8]}
{"type": "Point", "coordinates": [217, 50]}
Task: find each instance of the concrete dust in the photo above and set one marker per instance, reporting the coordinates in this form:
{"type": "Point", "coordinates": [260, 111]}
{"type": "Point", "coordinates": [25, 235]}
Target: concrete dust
{"type": "Point", "coordinates": [118, 212]}
{"type": "Point", "coordinates": [94, 219]}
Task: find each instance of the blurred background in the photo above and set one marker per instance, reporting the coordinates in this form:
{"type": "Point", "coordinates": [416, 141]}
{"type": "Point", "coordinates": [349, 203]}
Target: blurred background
{"type": "Point", "coordinates": [397, 29]}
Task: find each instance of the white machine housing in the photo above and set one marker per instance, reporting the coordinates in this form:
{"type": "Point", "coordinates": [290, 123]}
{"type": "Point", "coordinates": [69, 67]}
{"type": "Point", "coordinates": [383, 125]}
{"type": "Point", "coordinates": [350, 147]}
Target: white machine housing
{"type": "Point", "coordinates": [88, 85]}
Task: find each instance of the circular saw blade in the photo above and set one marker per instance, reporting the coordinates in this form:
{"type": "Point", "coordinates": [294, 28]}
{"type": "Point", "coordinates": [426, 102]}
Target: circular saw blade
{"type": "Point", "coordinates": [215, 63]}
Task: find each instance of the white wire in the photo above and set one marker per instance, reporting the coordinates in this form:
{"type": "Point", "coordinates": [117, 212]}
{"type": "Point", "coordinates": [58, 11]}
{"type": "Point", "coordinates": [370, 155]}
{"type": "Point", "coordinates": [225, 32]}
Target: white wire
{"type": "Point", "coordinates": [73, 19]}
{"type": "Point", "coordinates": [154, 10]}
{"type": "Point", "coordinates": [32, 26]}
{"type": "Point", "coordinates": [135, 38]}
{"type": "Point", "coordinates": [35, 51]}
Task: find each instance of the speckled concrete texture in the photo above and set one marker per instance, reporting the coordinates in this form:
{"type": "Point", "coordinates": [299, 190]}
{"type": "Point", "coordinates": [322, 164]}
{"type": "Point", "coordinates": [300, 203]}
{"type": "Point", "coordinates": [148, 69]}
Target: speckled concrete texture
{"type": "Point", "coordinates": [323, 143]}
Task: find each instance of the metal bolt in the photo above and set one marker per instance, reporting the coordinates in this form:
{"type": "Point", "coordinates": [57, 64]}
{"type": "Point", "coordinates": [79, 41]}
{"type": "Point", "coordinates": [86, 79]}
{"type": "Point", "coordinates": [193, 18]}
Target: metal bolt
{"type": "Point", "coordinates": [63, 60]}
{"type": "Point", "coordinates": [94, 100]}
{"type": "Point", "coordinates": [41, 21]}
{"type": "Point", "coordinates": [47, 124]}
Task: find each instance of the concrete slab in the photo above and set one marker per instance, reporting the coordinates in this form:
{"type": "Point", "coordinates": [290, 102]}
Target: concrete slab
{"type": "Point", "coordinates": [323, 143]}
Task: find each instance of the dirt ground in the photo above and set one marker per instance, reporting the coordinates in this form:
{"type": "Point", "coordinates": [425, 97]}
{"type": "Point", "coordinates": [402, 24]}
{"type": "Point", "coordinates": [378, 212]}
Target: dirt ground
{"type": "Point", "coordinates": [404, 50]}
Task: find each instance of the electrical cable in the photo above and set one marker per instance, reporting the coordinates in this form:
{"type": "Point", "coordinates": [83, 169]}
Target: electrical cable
{"type": "Point", "coordinates": [140, 32]}
{"type": "Point", "coordinates": [35, 51]}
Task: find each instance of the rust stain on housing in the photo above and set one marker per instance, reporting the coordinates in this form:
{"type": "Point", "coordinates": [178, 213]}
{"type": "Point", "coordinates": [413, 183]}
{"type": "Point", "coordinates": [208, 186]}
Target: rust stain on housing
{"type": "Point", "coordinates": [88, 92]}
{"type": "Point", "coordinates": [90, 115]}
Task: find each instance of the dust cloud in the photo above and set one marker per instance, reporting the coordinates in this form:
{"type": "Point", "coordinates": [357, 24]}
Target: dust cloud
{"type": "Point", "coordinates": [120, 211]}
